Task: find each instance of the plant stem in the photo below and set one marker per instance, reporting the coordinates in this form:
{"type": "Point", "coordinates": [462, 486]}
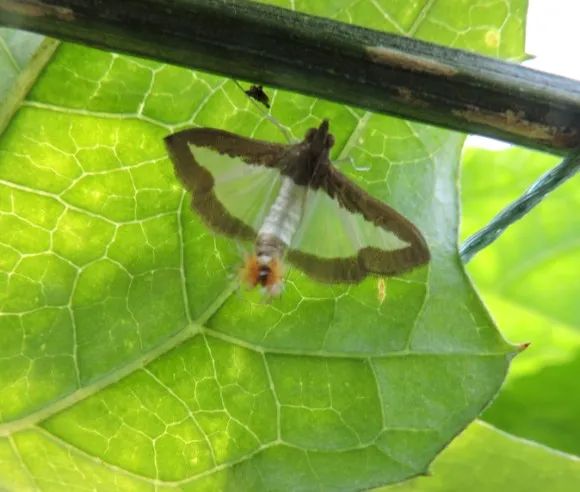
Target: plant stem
{"type": "Point", "coordinates": [361, 67]}
{"type": "Point", "coordinates": [516, 210]}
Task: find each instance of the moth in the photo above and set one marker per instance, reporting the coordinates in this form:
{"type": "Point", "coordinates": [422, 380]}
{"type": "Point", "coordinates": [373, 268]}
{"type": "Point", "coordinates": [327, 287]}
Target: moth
{"type": "Point", "coordinates": [294, 205]}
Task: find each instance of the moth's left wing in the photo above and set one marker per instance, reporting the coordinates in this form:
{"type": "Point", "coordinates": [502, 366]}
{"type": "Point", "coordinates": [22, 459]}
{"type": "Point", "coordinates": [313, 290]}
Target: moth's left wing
{"type": "Point", "coordinates": [233, 180]}
{"type": "Point", "coordinates": [346, 234]}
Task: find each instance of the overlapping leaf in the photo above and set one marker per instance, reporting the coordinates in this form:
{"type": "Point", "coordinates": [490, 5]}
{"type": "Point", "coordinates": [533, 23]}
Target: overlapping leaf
{"type": "Point", "coordinates": [131, 362]}
{"type": "Point", "coordinates": [528, 279]}
{"type": "Point", "coordinates": [16, 50]}
{"type": "Point", "coordinates": [484, 459]}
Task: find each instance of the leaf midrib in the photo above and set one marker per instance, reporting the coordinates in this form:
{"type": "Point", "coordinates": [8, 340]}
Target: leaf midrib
{"type": "Point", "coordinates": [116, 375]}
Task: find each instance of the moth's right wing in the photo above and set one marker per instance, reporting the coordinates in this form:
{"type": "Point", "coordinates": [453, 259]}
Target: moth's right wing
{"type": "Point", "coordinates": [347, 234]}
{"type": "Point", "coordinates": [233, 180]}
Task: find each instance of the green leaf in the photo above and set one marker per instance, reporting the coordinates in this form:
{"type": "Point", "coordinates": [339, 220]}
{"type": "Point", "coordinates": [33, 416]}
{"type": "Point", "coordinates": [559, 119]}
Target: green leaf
{"type": "Point", "coordinates": [131, 362]}
{"type": "Point", "coordinates": [528, 279]}
{"type": "Point", "coordinates": [485, 460]}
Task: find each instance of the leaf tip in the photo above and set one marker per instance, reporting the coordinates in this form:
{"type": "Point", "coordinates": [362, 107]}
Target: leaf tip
{"type": "Point", "coordinates": [523, 346]}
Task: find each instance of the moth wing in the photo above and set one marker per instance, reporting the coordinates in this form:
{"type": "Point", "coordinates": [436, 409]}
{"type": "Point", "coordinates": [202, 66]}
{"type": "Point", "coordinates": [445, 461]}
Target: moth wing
{"type": "Point", "coordinates": [233, 180]}
{"type": "Point", "coordinates": [345, 234]}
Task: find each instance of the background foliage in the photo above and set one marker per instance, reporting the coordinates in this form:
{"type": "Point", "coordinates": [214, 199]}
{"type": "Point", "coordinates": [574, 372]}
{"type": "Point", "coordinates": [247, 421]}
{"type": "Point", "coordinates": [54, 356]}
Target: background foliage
{"type": "Point", "coordinates": [527, 278]}
{"type": "Point", "coordinates": [128, 360]}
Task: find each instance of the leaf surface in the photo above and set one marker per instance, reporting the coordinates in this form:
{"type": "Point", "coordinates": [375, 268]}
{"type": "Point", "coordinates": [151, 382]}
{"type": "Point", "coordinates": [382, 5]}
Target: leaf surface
{"type": "Point", "coordinates": [131, 361]}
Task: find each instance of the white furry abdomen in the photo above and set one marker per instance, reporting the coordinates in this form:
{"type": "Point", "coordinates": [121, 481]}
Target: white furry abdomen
{"type": "Point", "coordinates": [284, 217]}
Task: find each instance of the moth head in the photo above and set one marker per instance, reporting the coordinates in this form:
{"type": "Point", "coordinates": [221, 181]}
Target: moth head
{"type": "Point", "coordinates": [264, 271]}
{"type": "Point", "coordinates": [319, 138]}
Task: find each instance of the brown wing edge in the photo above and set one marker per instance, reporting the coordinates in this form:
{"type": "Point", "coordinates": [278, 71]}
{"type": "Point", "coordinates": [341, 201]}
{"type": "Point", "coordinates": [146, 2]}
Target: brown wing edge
{"type": "Point", "coordinates": [200, 182]}
{"type": "Point", "coordinates": [368, 260]}
{"type": "Point", "coordinates": [355, 268]}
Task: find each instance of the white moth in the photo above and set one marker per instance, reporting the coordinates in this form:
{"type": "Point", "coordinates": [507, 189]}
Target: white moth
{"type": "Point", "coordinates": [294, 205]}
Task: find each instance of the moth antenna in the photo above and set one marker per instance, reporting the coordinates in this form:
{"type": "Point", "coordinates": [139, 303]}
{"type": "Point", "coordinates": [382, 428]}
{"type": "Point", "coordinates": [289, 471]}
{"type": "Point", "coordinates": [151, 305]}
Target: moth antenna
{"type": "Point", "coordinates": [266, 114]}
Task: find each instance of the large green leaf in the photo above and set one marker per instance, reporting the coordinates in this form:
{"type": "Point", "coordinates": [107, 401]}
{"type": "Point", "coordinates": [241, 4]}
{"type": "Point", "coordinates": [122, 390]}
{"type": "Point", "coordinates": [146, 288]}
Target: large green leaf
{"type": "Point", "coordinates": [528, 279]}
{"type": "Point", "coordinates": [130, 361]}
{"type": "Point", "coordinates": [484, 459]}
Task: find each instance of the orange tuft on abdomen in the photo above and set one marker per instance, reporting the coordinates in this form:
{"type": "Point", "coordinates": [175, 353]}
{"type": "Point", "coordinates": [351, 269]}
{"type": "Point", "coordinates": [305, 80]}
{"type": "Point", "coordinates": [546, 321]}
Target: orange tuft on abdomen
{"type": "Point", "coordinates": [249, 273]}
{"type": "Point", "coordinates": [273, 271]}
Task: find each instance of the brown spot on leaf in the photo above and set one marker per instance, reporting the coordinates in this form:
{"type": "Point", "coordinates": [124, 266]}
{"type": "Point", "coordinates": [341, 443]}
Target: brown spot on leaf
{"type": "Point", "coordinates": [492, 38]}
{"type": "Point", "coordinates": [381, 290]}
